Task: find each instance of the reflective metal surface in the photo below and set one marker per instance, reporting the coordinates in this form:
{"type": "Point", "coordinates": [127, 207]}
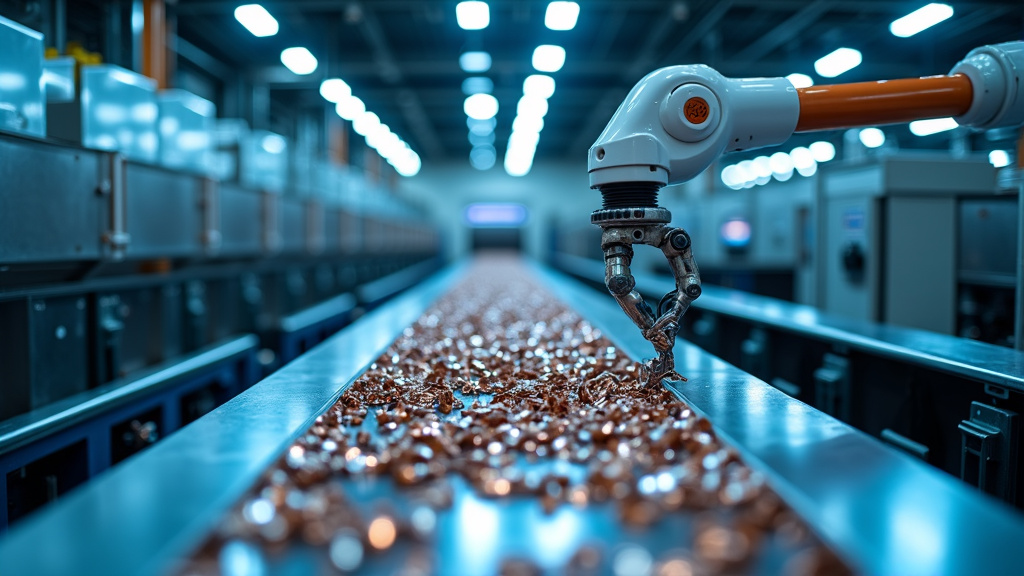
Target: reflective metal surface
{"type": "Point", "coordinates": [138, 517]}
{"type": "Point", "coordinates": [186, 130]}
{"type": "Point", "coordinates": [978, 360]}
{"type": "Point", "coordinates": [884, 512]}
{"type": "Point", "coordinates": [119, 111]}
{"type": "Point", "coordinates": [22, 98]}
{"type": "Point", "coordinates": [21, 430]}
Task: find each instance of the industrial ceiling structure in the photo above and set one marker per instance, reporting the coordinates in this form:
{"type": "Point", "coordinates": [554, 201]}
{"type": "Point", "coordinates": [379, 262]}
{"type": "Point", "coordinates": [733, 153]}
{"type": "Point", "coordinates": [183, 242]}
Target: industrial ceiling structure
{"type": "Point", "coordinates": [402, 56]}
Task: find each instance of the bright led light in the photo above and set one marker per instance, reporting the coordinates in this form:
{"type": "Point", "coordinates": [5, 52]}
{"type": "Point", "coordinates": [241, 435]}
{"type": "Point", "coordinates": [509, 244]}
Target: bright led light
{"type": "Point", "coordinates": [730, 178]}
{"type": "Point", "coordinates": [871, 137]}
{"type": "Point", "coordinates": [481, 139]}
{"type": "Point", "coordinates": [365, 123]}
{"type": "Point", "coordinates": [802, 157]}
{"type": "Point", "coordinates": [334, 90]}
{"type": "Point", "coordinates": [256, 19]}
{"type": "Point", "coordinates": [518, 165]}
{"type": "Point", "coordinates": [273, 144]}
{"type": "Point", "coordinates": [539, 85]}
{"type": "Point", "coordinates": [762, 170]}
{"type": "Point", "coordinates": [475, 62]}
{"type": "Point", "coordinates": [933, 126]}
{"type": "Point", "coordinates": [838, 61]}
{"type": "Point", "coordinates": [561, 15]}
{"type": "Point", "coordinates": [999, 158]}
{"type": "Point", "coordinates": [799, 80]}
{"type": "Point", "coordinates": [299, 60]}
{"type": "Point", "coordinates": [921, 19]}
{"type": "Point", "coordinates": [482, 127]}
{"type": "Point", "coordinates": [481, 106]}
{"type": "Point", "coordinates": [472, 15]}
{"type": "Point", "coordinates": [523, 140]}
{"type": "Point", "coordinates": [549, 58]}
{"type": "Point", "coordinates": [822, 151]}
{"type": "Point", "coordinates": [483, 157]}
{"type": "Point", "coordinates": [528, 124]}
{"type": "Point", "coordinates": [807, 171]}
{"type": "Point", "coordinates": [532, 106]}
{"type": "Point", "coordinates": [781, 165]}
{"type": "Point", "coordinates": [477, 85]}
{"type": "Point", "coordinates": [350, 107]}
{"type": "Point", "coordinates": [743, 174]}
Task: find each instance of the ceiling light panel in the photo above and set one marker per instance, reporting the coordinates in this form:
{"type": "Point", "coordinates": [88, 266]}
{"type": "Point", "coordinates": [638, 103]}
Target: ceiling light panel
{"type": "Point", "coordinates": [548, 58]}
{"type": "Point", "coordinates": [837, 62]}
{"type": "Point", "coordinates": [299, 60]}
{"type": "Point", "coordinates": [561, 15]}
{"type": "Point", "coordinates": [475, 62]}
{"type": "Point", "coordinates": [921, 19]}
{"type": "Point", "coordinates": [472, 15]}
{"type": "Point", "coordinates": [256, 20]}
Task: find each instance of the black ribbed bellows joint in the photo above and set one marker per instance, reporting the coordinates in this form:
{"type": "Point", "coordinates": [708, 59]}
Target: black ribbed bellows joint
{"type": "Point", "coordinates": [630, 195]}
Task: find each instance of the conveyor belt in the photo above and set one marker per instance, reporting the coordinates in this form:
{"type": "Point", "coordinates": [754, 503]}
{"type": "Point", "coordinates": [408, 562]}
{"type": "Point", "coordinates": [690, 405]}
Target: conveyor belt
{"type": "Point", "coordinates": [881, 511]}
{"type": "Point", "coordinates": [502, 413]}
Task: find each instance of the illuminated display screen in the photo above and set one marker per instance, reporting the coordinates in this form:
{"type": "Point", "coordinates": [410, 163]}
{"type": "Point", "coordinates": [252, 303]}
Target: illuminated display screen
{"type": "Point", "coordinates": [496, 214]}
{"type": "Point", "coordinates": [735, 233]}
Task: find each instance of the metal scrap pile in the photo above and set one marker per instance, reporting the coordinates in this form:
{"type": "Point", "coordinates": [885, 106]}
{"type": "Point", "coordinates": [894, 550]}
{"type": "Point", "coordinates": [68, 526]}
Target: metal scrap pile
{"type": "Point", "coordinates": [503, 388]}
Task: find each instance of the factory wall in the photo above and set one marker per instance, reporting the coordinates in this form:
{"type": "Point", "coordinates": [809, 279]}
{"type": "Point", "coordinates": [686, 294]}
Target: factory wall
{"type": "Point", "coordinates": [552, 191]}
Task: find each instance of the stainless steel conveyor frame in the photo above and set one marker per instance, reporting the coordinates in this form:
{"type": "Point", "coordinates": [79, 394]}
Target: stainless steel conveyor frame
{"type": "Point", "coordinates": [882, 511]}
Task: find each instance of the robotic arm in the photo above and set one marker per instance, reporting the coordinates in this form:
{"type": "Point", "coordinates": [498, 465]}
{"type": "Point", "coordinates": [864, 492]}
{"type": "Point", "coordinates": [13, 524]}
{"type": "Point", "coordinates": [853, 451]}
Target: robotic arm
{"type": "Point", "coordinates": [678, 120]}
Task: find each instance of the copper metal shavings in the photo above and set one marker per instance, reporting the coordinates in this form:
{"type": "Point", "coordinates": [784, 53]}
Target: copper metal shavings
{"type": "Point", "coordinates": [495, 379]}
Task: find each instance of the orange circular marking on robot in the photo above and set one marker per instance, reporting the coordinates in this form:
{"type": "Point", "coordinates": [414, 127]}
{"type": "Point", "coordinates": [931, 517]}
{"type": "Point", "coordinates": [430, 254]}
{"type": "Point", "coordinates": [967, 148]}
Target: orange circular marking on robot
{"type": "Point", "coordinates": [696, 110]}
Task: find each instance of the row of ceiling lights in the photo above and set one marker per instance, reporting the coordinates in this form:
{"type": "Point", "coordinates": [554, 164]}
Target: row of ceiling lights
{"type": "Point", "coordinates": [804, 161]}
{"type": "Point", "coordinates": [481, 107]}
{"type": "Point", "coordinates": [301, 61]}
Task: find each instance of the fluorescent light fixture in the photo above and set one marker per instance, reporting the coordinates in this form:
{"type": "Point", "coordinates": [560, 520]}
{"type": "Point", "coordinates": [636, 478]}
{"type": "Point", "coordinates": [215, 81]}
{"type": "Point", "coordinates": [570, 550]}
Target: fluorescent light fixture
{"type": "Point", "coordinates": [409, 166]}
{"type": "Point", "coordinates": [871, 137]}
{"type": "Point", "coordinates": [762, 170]}
{"type": "Point", "coordinates": [480, 106]}
{"type": "Point", "coordinates": [933, 126]}
{"type": "Point", "coordinates": [273, 144]}
{"type": "Point", "coordinates": [548, 58]}
{"type": "Point", "coordinates": [802, 157]}
{"type": "Point", "coordinates": [539, 85]}
{"type": "Point", "coordinates": [838, 61]}
{"type": "Point", "coordinates": [481, 139]}
{"type": "Point", "coordinates": [474, 62]}
{"type": "Point", "coordinates": [921, 19]}
{"type": "Point", "coordinates": [334, 90]}
{"type": "Point", "coordinates": [472, 15]}
{"type": "Point", "coordinates": [495, 214]}
{"type": "Point", "coordinates": [781, 165]}
{"type": "Point", "coordinates": [299, 60]}
{"type": "Point", "coordinates": [350, 107]}
{"type": "Point", "coordinates": [518, 165]}
{"type": "Point", "coordinates": [527, 124]}
{"type": "Point", "coordinates": [799, 80]}
{"type": "Point", "coordinates": [822, 151]}
{"type": "Point", "coordinates": [999, 158]}
{"type": "Point", "coordinates": [256, 19]}
{"type": "Point", "coordinates": [481, 127]}
{"type": "Point", "coordinates": [807, 171]}
{"type": "Point", "coordinates": [366, 123]}
{"type": "Point", "coordinates": [523, 140]}
{"type": "Point", "coordinates": [561, 15]}
{"type": "Point", "coordinates": [483, 157]}
{"type": "Point", "coordinates": [532, 106]}
{"type": "Point", "coordinates": [477, 85]}
{"type": "Point", "coordinates": [729, 177]}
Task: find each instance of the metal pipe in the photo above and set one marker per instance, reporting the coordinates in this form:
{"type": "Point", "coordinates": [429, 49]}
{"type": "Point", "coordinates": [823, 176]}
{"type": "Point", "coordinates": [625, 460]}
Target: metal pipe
{"type": "Point", "coordinates": [883, 102]}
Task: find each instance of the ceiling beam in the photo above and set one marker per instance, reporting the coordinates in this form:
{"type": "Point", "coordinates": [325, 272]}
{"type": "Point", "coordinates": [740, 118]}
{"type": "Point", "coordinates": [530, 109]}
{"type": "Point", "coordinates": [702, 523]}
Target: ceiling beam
{"type": "Point", "coordinates": [784, 32]}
